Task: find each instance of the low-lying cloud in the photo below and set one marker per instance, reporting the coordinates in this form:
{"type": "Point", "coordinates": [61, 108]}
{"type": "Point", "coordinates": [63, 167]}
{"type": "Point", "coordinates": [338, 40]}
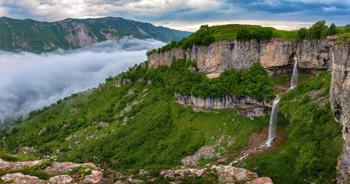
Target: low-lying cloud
{"type": "Point", "coordinates": [30, 81]}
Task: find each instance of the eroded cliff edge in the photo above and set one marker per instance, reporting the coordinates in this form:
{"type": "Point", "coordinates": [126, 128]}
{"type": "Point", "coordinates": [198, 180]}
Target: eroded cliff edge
{"type": "Point", "coordinates": [340, 103]}
{"type": "Point", "coordinates": [276, 55]}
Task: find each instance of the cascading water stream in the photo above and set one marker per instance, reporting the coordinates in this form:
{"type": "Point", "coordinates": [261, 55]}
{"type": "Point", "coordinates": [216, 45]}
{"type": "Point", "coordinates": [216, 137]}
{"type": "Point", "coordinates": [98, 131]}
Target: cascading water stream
{"type": "Point", "coordinates": [274, 111]}
{"type": "Point", "coordinates": [294, 80]}
{"type": "Point", "coordinates": [273, 121]}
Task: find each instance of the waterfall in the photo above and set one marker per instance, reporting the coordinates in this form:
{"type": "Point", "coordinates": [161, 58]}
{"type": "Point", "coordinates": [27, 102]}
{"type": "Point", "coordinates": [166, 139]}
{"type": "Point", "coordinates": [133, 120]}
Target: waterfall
{"type": "Point", "coordinates": [274, 111]}
{"type": "Point", "coordinates": [273, 122]}
{"type": "Point", "coordinates": [294, 80]}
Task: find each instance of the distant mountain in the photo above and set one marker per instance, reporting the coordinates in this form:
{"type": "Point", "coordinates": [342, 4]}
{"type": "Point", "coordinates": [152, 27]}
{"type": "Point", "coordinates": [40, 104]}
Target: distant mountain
{"type": "Point", "coordinates": [34, 36]}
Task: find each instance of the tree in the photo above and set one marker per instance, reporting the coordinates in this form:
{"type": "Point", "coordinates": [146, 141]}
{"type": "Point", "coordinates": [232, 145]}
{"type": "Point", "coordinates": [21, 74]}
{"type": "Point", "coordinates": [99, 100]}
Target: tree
{"type": "Point", "coordinates": [243, 34]}
{"type": "Point", "coordinates": [347, 28]}
{"type": "Point", "coordinates": [332, 30]}
{"type": "Point", "coordinates": [302, 33]}
{"type": "Point", "coordinates": [318, 30]}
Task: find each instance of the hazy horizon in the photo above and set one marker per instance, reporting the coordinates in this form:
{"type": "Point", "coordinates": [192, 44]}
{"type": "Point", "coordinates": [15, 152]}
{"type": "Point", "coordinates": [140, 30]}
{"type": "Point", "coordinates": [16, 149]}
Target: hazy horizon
{"type": "Point", "coordinates": [187, 15]}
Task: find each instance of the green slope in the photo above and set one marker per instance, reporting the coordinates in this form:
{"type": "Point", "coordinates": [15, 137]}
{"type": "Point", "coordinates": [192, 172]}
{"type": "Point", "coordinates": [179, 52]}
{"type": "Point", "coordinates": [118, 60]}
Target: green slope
{"type": "Point", "coordinates": [309, 154]}
{"type": "Point", "coordinates": [154, 133]}
{"type": "Point", "coordinates": [140, 125]}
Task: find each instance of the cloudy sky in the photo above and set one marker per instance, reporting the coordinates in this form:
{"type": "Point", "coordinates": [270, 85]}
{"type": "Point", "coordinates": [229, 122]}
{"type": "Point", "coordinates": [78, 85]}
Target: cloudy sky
{"type": "Point", "coordinates": [187, 14]}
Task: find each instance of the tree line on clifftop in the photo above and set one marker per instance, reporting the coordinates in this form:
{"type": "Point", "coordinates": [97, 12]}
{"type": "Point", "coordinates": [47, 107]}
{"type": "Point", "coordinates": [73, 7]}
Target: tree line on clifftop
{"type": "Point", "coordinates": [208, 34]}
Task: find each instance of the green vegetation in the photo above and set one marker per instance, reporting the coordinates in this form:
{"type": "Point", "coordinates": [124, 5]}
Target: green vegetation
{"type": "Point", "coordinates": [206, 35]}
{"type": "Point", "coordinates": [344, 34]}
{"type": "Point", "coordinates": [317, 31]}
{"type": "Point", "coordinates": [181, 78]}
{"type": "Point", "coordinates": [137, 125]}
{"type": "Point", "coordinates": [140, 126]}
{"type": "Point", "coordinates": [19, 156]}
{"type": "Point", "coordinates": [309, 154]}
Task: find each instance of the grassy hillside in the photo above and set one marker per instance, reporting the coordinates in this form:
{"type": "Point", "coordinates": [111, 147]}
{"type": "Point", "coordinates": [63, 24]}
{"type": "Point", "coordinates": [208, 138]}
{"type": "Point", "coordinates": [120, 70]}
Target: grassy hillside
{"type": "Point", "coordinates": [131, 127]}
{"type": "Point", "coordinates": [309, 154]}
{"type": "Point", "coordinates": [35, 36]}
{"type": "Point", "coordinates": [139, 125]}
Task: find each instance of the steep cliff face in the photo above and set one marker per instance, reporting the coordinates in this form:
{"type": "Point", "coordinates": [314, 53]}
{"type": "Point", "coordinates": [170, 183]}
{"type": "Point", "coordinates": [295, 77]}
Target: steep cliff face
{"type": "Point", "coordinates": [78, 35]}
{"type": "Point", "coordinates": [314, 54]}
{"type": "Point", "coordinates": [276, 55]}
{"type": "Point", "coordinates": [340, 103]}
{"type": "Point", "coordinates": [246, 105]}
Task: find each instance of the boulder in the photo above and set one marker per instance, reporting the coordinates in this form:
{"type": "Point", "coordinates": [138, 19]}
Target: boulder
{"type": "Point", "coordinates": [58, 168]}
{"type": "Point", "coordinates": [262, 180]}
{"type": "Point", "coordinates": [232, 175]}
{"type": "Point", "coordinates": [94, 177]}
{"type": "Point", "coordinates": [19, 178]}
{"type": "Point", "coordinates": [61, 179]}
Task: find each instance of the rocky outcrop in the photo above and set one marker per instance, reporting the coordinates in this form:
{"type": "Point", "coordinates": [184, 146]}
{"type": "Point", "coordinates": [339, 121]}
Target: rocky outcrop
{"type": "Point", "coordinates": [93, 178]}
{"type": "Point", "coordinates": [61, 179]}
{"type": "Point", "coordinates": [314, 54]}
{"type": "Point", "coordinates": [19, 178]}
{"type": "Point", "coordinates": [233, 175]}
{"type": "Point", "coordinates": [226, 175]}
{"type": "Point", "coordinates": [59, 172]}
{"type": "Point", "coordinates": [78, 35]}
{"type": "Point", "coordinates": [247, 106]}
{"type": "Point", "coordinates": [340, 103]}
{"type": "Point", "coordinates": [204, 152]}
{"type": "Point", "coordinates": [18, 165]}
{"type": "Point", "coordinates": [276, 55]}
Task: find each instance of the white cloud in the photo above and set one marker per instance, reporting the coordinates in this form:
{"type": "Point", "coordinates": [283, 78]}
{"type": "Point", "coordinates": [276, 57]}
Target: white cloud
{"type": "Point", "coordinates": [30, 81]}
{"type": "Point", "coordinates": [60, 9]}
{"type": "Point", "coordinates": [3, 11]}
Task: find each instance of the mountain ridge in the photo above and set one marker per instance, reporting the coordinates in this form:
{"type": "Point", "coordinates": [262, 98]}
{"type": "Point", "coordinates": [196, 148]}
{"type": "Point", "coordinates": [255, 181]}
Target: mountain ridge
{"type": "Point", "coordinates": [41, 36]}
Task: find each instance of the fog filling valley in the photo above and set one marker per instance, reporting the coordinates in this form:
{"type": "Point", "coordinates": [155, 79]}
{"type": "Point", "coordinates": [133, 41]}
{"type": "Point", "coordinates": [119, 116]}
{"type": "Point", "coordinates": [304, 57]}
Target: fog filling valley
{"type": "Point", "coordinates": [31, 81]}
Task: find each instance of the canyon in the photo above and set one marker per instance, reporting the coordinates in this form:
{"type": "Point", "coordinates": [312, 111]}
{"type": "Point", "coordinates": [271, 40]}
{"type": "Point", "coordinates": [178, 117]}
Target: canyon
{"type": "Point", "coordinates": [276, 56]}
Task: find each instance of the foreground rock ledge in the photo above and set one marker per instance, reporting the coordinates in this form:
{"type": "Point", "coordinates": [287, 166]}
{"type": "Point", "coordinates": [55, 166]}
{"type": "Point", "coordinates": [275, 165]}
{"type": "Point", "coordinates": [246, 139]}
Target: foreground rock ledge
{"type": "Point", "coordinates": [59, 173]}
{"type": "Point", "coordinates": [226, 175]}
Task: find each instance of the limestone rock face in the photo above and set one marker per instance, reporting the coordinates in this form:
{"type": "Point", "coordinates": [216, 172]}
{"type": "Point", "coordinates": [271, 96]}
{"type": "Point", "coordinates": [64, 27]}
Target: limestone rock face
{"type": "Point", "coordinates": [314, 54]}
{"type": "Point", "coordinates": [215, 58]}
{"type": "Point", "coordinates": [248, 106]}
{"type": "Point", "coordinates": [276, 55]}
{"type": "Point", "coordinates": [78, 34]}
{"type": "Point", "coordinates": [340, 103]}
